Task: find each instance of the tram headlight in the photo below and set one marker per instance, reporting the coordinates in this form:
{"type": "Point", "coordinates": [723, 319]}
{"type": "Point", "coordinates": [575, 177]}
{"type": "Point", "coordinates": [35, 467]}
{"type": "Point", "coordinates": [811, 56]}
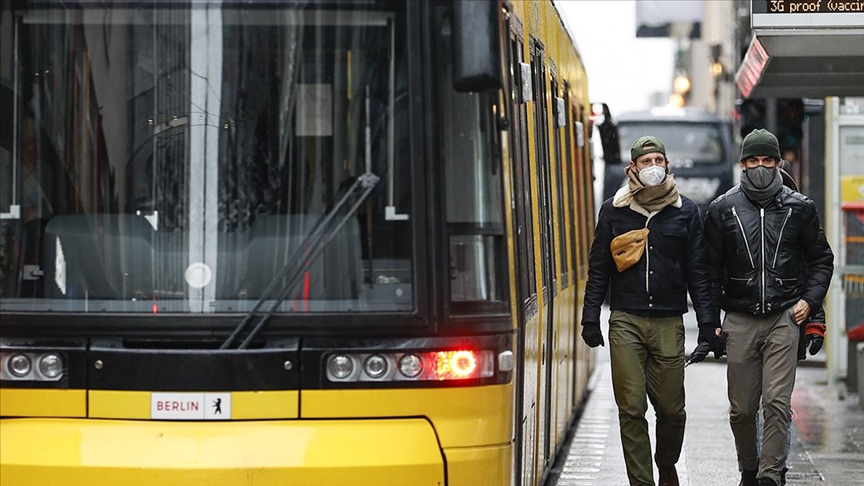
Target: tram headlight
{"type": "Point", "coordinates": [50, 365]}
{"type": "Point", "coordinates": [20, 365]}
{"type": "Point", "coordinates": [389, 367]}
{"type": "Point", "coordinates": [410, 365]}
{"type": "Point", "coordinates": [376, 366]}
{"type": "Point", "coordinates": [340, 366]}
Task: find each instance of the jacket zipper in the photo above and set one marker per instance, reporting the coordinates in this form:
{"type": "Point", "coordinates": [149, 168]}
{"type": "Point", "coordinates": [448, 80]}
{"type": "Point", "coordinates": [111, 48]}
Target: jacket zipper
{"type": "Point", "coordinates": [743, 235]}
{"type": "Point", "coordinates": [647, 264]}
{"type": "Point", "coordinates": [780, 238]}
{"type": "Point", "coordinates": [762, 228]}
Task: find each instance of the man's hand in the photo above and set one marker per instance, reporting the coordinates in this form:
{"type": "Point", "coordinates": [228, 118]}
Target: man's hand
{"type": "Point", "coordinates": [698, 355]}
{"type": "Point", "coordinates": [815, 336]}
{"type": "Point", "coordinates": [802, 311]}
{"type": "Point", "coordinates": [591, 334]}
{"type": "Point", "coordinates": [710, 334]}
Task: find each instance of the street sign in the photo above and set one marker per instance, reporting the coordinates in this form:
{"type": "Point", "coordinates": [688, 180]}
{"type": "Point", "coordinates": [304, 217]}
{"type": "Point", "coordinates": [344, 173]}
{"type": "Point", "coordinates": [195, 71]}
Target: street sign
{"type": "Point", "coordinates": [781, 14]}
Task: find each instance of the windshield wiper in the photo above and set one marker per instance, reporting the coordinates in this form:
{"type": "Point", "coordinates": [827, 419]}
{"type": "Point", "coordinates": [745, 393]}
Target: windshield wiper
{"type": "Point", "coordinates": [305, 255]}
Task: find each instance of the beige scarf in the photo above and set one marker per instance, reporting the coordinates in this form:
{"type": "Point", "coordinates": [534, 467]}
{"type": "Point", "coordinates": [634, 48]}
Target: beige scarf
{"type": "Point", "coordinates": [653, 198]}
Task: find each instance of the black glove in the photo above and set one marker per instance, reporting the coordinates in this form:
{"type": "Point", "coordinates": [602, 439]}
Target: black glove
{"type": "Point", "coordinates": [815, 335]}
{"type": "Point", "coordinates": [716, 344]}
{"type": "Point", "coordinates": [698, 355]}
{"type": "Point", "coordinates": [591, 334]}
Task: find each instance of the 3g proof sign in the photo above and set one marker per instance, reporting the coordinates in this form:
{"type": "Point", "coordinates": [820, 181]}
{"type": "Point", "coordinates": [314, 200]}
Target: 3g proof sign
{"type": "Point", "coordinates": [803, 13]}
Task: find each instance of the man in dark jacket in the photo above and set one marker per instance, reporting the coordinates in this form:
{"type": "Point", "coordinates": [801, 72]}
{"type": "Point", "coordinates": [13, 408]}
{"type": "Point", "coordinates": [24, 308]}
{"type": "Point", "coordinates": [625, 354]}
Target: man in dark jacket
{"type": "Point", "coordinates": [650, 277]}
{"type": "Point", "coordinates": [770, 266]}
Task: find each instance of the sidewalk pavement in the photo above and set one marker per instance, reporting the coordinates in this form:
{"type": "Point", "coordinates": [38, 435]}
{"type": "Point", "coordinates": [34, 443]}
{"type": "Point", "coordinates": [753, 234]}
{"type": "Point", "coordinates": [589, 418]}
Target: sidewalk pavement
{"type": "Point", "coordinates": [827, 443]}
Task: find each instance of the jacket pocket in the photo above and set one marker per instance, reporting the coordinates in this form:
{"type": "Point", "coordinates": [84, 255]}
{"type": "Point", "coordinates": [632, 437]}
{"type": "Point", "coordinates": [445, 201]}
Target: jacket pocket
{"type": "Point", "coordinates": [786, 283]}
{"type": "Point", "coordinates": [738, 286]}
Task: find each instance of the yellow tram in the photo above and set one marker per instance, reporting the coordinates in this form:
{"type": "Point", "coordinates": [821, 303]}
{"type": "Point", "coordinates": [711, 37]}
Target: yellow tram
{"type": "Point", "coordinates": [311, 243]}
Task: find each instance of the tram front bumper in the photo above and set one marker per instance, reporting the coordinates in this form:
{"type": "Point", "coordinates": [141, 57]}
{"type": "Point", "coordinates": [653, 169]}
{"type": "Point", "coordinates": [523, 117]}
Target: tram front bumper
{"type": "Point", "coordinates": [40, 451]}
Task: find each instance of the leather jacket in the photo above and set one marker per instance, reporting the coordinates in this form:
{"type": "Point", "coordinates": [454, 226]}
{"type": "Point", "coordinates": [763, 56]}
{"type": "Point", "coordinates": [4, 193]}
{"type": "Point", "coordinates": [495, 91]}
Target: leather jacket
{"type": "Point", "coordinates": [674, 263]}
{"type": "Point", "coordinates": [763, 260]}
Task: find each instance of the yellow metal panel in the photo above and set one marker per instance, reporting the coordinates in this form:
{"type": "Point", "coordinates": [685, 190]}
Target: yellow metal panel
{"type": "Point", "coordinates": [119, 404]}
{"type": "Point", "coordinates": [264, 404]}
{"type": "Point", "coordinates": [479, 466]}
{"type": "Point", "coordinates": [319, 453]}
{"type": "Point", "coordinates": [463, 417]}
{"type": "Point", "coordinates": [42, 402]}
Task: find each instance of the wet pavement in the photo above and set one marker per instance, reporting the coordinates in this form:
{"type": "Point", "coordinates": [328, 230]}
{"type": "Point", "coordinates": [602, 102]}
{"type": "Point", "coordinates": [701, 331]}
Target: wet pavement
{"type": "Point", "coordinates": [827, 443]}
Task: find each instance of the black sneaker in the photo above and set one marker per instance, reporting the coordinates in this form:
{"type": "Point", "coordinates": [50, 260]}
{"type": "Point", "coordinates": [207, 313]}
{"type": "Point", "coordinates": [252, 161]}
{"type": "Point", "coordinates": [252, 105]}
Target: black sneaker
{"type": "Point", "coordinates": [748, 478]}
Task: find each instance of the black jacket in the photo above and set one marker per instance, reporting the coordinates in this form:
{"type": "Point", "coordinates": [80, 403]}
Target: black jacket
{"type": "Point", "coordinates": [763, 260]}
{"type": "Point", "coordinates": [674, 261]}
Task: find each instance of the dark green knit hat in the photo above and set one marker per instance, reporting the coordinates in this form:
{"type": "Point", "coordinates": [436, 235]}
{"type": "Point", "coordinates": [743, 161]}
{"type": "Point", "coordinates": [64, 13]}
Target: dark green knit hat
{"type": "Point", "coordinates": [760, 142]}
{"type": "Point", "coordinates": [646, 145]}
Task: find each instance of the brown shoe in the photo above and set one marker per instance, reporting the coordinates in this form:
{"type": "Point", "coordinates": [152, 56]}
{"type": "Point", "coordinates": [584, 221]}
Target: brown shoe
{"type": "Point", "coordinates": [668, 476]}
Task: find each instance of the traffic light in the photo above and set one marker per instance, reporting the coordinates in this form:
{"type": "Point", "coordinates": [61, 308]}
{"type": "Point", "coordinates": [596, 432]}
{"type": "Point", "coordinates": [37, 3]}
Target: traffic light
{"type": "Point", "coordinates": [752, 113]}
{"type": "Point", "coordinates": [790, 116]}
{"type": "Point", "coordinates": [680, 91]}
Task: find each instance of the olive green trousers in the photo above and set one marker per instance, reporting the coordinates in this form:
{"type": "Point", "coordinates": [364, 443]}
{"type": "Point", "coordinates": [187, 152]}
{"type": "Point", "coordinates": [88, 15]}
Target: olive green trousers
{"type": "Point", "coordinates": [648, 363]}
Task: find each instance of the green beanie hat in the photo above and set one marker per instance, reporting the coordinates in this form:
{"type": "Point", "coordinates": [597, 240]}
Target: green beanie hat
{"type": "Point", "coordinates": [760, 142]}
{"type": "Point", "coordinates": [646, 145]}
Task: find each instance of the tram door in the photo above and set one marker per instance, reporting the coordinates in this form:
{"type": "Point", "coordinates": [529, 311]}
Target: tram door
{"type": "Point", "coordinates": [526, 377]}
{"type": "Point", "coordinates": [547, 260]}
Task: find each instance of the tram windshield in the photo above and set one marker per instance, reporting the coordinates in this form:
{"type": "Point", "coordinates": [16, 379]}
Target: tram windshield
{"type": "Point", "coordinates": [172, 158]}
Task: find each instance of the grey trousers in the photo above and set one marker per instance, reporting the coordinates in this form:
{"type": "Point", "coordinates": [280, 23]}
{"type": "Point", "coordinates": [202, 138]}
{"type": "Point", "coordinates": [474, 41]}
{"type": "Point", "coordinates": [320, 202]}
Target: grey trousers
{"type": "Point", "coordinates": [762, 355]}
{"type": "Point", "coordinates": [648, 363]}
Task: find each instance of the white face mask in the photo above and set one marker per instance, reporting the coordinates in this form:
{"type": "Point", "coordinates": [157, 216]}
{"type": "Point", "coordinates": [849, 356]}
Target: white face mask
{"type": "Point", "coordinates": [652, 176]}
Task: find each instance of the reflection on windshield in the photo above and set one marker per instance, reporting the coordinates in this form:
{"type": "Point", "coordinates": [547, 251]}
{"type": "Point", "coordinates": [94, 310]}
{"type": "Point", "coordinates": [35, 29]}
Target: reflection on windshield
{"type": "Point", "coordinates": [692, 142]}
{"type": "Point", "coordinates": [172, 160]}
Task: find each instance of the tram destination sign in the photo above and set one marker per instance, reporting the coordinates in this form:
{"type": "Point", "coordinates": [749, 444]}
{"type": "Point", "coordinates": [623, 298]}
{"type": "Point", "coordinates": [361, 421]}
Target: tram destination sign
{"type": "Point", "coordinates": [782, 14]}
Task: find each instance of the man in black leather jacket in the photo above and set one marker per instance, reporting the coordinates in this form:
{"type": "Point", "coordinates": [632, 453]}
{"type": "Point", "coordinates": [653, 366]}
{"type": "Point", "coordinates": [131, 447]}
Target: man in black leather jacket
{"type": "Point", "coordinates": [770, 267]}
{"type": "Point", "coordinates": [648, 298]}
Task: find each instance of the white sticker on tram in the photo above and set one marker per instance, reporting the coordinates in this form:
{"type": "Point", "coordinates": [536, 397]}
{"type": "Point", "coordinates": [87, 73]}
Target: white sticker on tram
{"type": "Point", "coordinates": [190, 406]}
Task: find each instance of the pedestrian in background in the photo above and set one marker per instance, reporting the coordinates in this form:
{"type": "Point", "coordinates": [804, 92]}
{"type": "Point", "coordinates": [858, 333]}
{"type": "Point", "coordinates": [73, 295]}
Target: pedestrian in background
{"type": "Point", "coordinates": [648, 246]}
{"type": "Point", "coordinates": [811, 335]}
{"type": "Point", "coordinates": [770, 266]}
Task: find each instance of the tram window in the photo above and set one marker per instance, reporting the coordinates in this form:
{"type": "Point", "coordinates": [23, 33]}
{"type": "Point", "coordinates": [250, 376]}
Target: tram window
{"type": "Point", "coordinates": [522, 177]}
{"type": "Point", "coordinates": [578, 202]}
{"type": "Point", "coordinates": [569, 180]}
{"type": "Point", "coordinates": [473, 186]}
{"type": "Point", "coordinates": [184, 153]}
{"type": "Point", "coordinates": [559, 187]}
{"type": "Point", "coordinates": [538, 69]}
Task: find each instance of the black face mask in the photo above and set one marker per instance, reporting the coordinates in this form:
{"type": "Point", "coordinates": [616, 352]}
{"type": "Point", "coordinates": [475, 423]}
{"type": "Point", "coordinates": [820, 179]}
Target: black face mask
{"type": "Point", "coordinates": [760, 176]}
